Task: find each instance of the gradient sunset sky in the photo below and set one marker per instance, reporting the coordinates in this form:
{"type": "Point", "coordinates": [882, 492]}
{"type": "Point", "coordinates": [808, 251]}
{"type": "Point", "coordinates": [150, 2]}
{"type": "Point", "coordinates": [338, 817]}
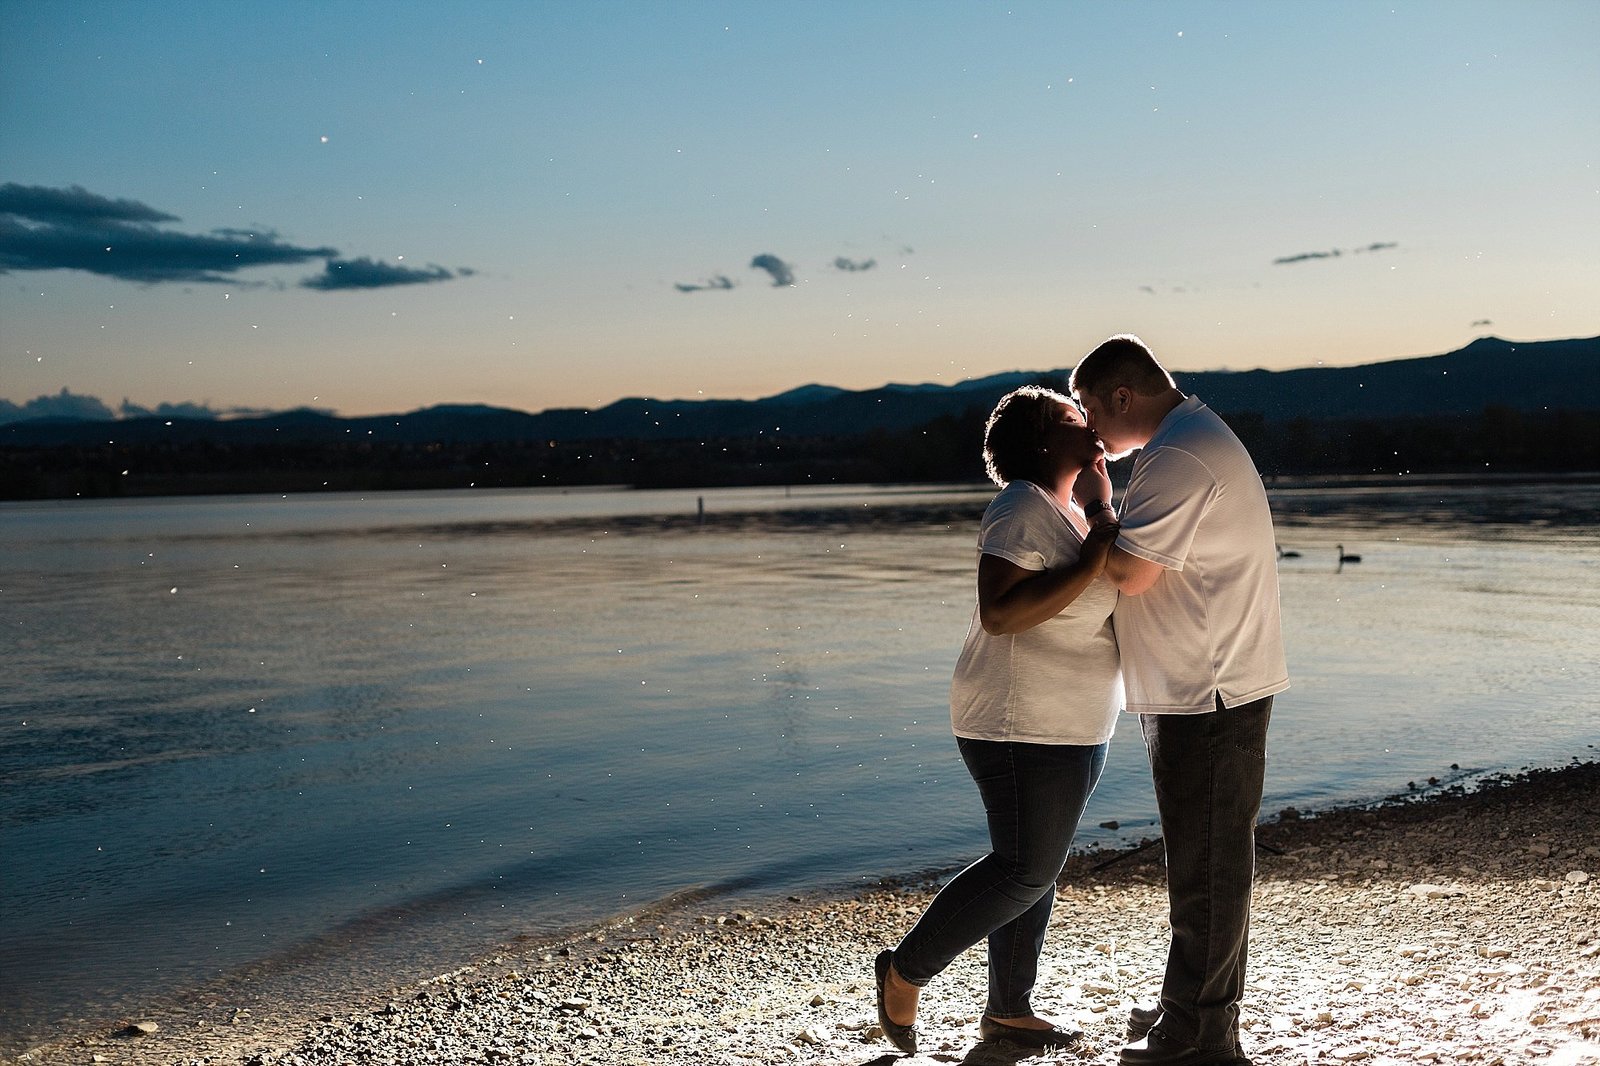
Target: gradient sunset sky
{"type": "Point", "coordinates": [376, 207]}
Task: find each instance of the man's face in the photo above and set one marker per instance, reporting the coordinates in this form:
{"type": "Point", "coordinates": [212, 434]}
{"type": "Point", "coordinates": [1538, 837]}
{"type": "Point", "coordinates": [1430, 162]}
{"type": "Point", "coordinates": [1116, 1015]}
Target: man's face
{"type": "Point", "coordinates": [1108, 424]}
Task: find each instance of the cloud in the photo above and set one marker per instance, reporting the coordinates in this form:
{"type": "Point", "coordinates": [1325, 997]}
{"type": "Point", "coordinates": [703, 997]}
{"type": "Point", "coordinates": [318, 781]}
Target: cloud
{"type": "Point", "coordinates": [71, 406]}
{"type": "Point", "coordinates": [718, 283]}
{"type": "Point", "coordinates": [73, 204]}
{"type": "Point", "coordinates": [43, 228]}
{"type": "Point", "coordinates": [169, 410]}
{"type": "Point", "coordinates": [1304, 256]}
{"type": "Point", "coordinates": [74, 229]}
{"type": "Point", "coordinates": [1377, 246]}
{"type": "Point", "coordinates": [62, 405]}
{"type": "Point", "coordinates": [854, 265]}
{"type": "Point", "coordinates": [782, 273]}
{"type": "Point", "coordinates": [367, 273]}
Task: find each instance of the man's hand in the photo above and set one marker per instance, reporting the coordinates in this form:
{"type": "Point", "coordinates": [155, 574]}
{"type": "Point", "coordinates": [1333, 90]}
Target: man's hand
{"type": "Point", "coordinates": [1093, 483]}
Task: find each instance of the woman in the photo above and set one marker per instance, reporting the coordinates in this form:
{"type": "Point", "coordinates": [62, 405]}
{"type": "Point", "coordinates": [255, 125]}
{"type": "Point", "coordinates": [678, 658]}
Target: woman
{"type": "Point", "coordinates": [1036, 693]}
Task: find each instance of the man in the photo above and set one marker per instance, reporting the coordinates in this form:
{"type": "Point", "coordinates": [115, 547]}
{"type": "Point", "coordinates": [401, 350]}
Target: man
{"type": "Point", "coordinates": [1202, 655]}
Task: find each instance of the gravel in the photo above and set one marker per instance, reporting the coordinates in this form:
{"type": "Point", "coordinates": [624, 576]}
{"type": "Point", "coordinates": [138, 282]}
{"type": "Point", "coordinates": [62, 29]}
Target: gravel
{"type": "Point", "coordinates": [1459, 928]}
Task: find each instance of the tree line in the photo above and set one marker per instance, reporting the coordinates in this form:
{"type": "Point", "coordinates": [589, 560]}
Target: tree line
{"type": "Point", "coordinates": [946, 449]}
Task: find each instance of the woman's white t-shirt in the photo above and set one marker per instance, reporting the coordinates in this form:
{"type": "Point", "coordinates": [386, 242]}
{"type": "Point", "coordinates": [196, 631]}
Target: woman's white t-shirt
{"type": "Point", "coordinates": [1059, 682]}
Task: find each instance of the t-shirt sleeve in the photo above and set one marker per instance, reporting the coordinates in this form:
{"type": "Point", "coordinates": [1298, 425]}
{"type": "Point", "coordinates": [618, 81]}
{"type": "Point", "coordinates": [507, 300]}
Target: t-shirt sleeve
{"type": "Point", "coordinates": [1015, 529]}
{"type": "Point", "coordinates": [1167, 497]}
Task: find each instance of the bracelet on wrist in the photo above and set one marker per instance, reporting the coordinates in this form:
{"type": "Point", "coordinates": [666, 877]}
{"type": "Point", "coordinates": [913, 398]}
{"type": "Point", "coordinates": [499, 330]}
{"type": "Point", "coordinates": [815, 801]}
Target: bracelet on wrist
{"type": "Point", "coordinates": [1094, 507]}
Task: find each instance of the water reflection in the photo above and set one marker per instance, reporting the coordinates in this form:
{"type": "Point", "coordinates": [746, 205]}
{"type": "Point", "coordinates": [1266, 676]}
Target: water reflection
{"type": "Point", "coordinates": [425, 730]}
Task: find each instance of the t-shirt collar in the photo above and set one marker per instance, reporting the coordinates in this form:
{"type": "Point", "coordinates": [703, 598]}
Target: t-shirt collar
{"type": "Point", "coordinates": [1189, 406]}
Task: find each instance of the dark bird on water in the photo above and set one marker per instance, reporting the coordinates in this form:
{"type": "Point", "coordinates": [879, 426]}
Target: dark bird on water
{"type": "Point", "coordinates": [1344, 558]}
{"type": "Point", "coordinates": [1290, 554]}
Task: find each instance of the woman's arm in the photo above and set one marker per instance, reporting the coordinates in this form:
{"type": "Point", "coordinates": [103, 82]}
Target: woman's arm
{"type": "Point", "coordinates": [1011, 599]}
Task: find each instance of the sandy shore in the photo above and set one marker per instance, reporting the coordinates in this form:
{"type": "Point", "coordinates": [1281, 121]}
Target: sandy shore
{"type": "Point", "coordinates": [1460, 928]}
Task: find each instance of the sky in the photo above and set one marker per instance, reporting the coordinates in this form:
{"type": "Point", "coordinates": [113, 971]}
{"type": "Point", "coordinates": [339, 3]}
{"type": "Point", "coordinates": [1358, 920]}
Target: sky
{"type": "Point", "coordinates": [377, 207]}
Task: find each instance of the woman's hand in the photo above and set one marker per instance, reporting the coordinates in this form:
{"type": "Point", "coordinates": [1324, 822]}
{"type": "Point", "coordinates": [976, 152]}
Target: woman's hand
{"type": "Point", "coordinates": [1097, 546]}
{"type": "Point", "coordinates": [1093, 483]}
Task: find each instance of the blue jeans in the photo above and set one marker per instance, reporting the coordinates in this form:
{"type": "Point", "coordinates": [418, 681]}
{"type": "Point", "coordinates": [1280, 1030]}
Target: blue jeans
{"type": "Point", "coordinates": [1208, 771]}
{"type": "Point", "coordinates": [1033, 795]}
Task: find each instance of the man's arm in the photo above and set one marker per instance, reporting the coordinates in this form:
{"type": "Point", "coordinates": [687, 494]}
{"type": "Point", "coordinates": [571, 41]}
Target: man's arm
{"type": "Point", "coordinates": [1131, 574]}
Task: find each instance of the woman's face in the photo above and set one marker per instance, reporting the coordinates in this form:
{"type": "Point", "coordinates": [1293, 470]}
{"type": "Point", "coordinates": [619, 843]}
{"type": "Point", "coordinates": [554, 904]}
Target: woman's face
{"type": "Point", "coordinates": [1071, 438]}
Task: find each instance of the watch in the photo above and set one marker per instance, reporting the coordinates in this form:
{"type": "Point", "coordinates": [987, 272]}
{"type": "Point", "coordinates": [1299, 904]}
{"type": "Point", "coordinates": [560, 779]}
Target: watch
{"type": "Point", "coordinates": [1094, 507]}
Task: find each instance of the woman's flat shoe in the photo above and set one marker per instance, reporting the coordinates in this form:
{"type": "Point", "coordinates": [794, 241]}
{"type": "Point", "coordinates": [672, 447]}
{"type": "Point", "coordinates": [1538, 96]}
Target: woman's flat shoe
{"type": "Point", "coordinates": [903, 1037]}
{"type": "Point", "coordinates": [994, 1029]}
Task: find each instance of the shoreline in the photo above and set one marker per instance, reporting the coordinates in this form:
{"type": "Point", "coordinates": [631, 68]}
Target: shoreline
{"type": "Point", "coordinates": [1461, 925]}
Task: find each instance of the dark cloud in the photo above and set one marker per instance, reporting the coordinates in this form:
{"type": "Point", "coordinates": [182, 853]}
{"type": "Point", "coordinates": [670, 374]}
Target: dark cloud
{"type": "Point", "coordinates": [718, 283]}
{"type": "Point", "coordinates": [73, 204]}
{"type": "Point", "coordinates": [367, 273]}
{"type": "Point", "coordinates": [1304, 256]}
{"type": "Point", "coordinates": [73, 229]}
{"type": "Point", "coordinates": [169, 410]}
{"type": "Point", "coordinates": [854, 265]}
{"type": "Point", "coordinates": [782, 273]}
{"type": "Point", "coordinates": [1377, 246]}
{"type": "Point", "coordinates": [69, 405]}
{"type": "Point", "coordinates": [63, 404]}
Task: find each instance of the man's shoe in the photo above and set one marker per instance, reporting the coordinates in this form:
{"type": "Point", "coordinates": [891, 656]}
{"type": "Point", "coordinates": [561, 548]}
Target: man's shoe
{"type": "Point", "coordinates": [1157, 1049]}
{"type": "Point", "coordinates": [903, 1037]}
{"type": "Point", "coordinates": [994, 1029]}
{"type": "Point", "coordinates": [1141, 1021]}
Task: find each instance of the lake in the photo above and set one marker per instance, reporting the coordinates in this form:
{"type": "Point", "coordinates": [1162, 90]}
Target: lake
{"type": "Point", "coordinates": [257, 744]}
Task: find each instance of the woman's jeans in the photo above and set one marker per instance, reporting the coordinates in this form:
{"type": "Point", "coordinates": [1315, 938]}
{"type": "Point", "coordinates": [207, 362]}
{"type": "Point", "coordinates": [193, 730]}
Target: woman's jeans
{"type": "Point", "coordinates": [1033, 795]}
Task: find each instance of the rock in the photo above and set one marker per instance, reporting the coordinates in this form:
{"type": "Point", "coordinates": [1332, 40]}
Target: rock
{"type": "Point", "coordinates": [1289, 814]}
{"type": "Point", "coordinates": [817, 1000]}
{"type": "Point", "coordinates": [1427, 891]}
{"type": "Point", "coordinates": [141, 1029]}
{"type": "Point", "coordinates": [809, 1036]}
{"type": "Point", "coordinates": [1113, 824]}
{"type": "Point", "coordinates": [1541, 851]}
{"type": "Point", "coordinates": [1577, 877]}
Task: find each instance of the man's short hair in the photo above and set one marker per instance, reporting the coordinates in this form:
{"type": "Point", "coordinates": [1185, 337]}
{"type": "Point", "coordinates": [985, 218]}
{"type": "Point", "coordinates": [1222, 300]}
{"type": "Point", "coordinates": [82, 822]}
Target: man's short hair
{"type": "Point", "coordinates": [1015, 435]}
{"type": "Point", "coordinates": [1121, 360]}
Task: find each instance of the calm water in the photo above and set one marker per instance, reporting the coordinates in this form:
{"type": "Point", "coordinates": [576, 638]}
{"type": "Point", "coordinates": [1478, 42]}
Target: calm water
{"type": "Point", "coordinates": [252, 744]}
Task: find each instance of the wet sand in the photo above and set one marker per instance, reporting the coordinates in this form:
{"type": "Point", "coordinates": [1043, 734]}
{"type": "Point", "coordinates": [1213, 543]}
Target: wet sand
{"type": "Point", "coordinates": [1459, 927]}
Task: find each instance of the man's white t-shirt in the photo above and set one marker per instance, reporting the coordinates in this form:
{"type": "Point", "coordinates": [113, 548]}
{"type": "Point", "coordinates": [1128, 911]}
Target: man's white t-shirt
{"type": "Point", "coordinates": [1057, 683]}
{"type": "Point", "coordinates": [1210, 624]}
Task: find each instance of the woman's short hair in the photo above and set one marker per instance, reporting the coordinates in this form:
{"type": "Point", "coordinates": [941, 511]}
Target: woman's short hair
{"type": "Point", "coordinates": [1015, 435]}
{"type": "Point", "coordinates": [1121, 360]}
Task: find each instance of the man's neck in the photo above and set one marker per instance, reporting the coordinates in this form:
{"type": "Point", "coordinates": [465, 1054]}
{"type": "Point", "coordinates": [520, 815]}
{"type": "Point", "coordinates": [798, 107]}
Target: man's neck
{"type": "Point", "coordinates": [1153, 409]}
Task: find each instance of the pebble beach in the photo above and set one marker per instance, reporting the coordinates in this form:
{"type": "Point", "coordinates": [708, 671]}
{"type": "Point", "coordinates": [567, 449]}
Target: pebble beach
{"type": "Point", "coordinates": [1460, 926]}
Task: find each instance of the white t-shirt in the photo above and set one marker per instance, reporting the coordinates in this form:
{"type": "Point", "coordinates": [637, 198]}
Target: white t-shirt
{"type": "Point", "coordinates": [1210, 625]}
{"type": "Point", "coordinates": [1057, 683]}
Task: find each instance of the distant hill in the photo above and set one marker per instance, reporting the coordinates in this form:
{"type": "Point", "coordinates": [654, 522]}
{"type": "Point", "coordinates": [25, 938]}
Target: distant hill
{"type": "Point", "coordinates": [1488, 373]}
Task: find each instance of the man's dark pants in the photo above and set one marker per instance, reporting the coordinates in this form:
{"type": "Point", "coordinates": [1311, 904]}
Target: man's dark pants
{"type": "Point", "coordinates": [1208, 771]}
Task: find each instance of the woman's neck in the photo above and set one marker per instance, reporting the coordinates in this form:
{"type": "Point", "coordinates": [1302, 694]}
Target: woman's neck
{"type": "Point", "coordinates": [1061, 488]}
